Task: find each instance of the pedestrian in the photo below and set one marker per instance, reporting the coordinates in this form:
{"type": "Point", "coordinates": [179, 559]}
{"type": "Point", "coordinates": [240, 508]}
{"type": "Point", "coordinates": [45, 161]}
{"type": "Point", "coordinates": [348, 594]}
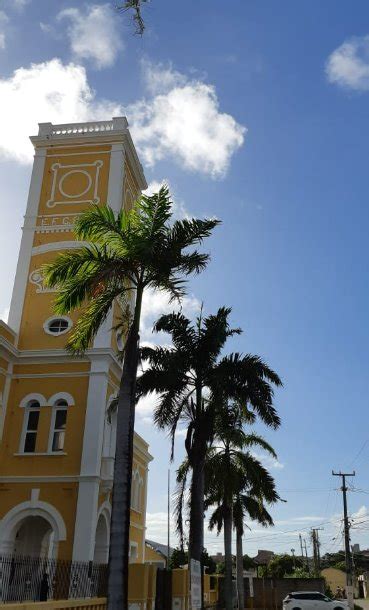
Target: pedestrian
{"type": "Point", "coordinates": [44, 588]}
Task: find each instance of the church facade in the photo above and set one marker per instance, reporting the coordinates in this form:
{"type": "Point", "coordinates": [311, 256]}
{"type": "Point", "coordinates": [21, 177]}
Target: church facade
{"type": "Point", "coordinates": [57, 442]}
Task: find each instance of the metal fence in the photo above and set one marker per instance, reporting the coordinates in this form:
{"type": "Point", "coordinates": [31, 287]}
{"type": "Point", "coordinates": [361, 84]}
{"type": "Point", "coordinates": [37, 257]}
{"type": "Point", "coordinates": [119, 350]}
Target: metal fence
{"type": "Point", "coordinates": [40, 579]}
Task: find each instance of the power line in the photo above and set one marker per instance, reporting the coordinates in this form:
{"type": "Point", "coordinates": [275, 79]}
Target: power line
{"type": "Point", "coordinates": [297, 530]}
{"type": "Point", "coordinates": [359, 452]}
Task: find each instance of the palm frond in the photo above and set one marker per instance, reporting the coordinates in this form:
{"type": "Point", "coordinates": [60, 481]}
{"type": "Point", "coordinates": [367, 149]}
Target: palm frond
{"type": "Point", "coordinates": [179, 498]}
{"type": "Point", "coordinates": [90, 321]}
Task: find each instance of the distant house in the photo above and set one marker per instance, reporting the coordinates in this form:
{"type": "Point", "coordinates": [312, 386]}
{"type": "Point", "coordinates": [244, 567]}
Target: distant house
{"type": "Point", "coordinates": [156, 553]}
{"type": "Point", "coordinates": [218, 558]}
{"type": "Point", "coordinates": [263, 557]}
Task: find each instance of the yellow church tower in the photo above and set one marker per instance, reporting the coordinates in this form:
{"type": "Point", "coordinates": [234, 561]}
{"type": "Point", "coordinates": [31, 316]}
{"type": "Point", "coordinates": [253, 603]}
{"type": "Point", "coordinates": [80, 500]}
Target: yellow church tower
{"type": "Point", "coordinates": [57, 444]}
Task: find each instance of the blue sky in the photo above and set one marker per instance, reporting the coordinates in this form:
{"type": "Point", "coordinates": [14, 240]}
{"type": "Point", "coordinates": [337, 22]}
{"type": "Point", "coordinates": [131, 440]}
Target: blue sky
{"type": "Point", "coordinates": [257, 114]}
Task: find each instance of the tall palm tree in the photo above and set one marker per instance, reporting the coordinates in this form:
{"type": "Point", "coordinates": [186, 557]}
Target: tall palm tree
{"type": "Point", "coordinates": [125, 254]}
{"type": "Point", "coordinates": [193, 378]}
{"type": "Point", "coordinates": [235, 479]}
{"type": "Point", "coordinates": [246, 505]}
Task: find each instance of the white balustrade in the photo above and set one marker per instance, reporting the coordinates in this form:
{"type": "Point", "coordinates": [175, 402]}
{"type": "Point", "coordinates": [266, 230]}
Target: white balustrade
{"type": "Point", "coordinates": [49, 130]}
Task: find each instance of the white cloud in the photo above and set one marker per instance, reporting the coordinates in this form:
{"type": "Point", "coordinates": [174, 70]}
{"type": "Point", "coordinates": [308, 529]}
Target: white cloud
{"type": "Point", "coordinates": [3, 21]}
{"type": "Point", "coordinates": [348, 65]}
{"type": "Point", "coordinates": [20, 4]}
{"type": "Point", "coordinates": [179, 209]}
{"type": "Point", "coordinates": [184, 124]}
{"type": "Point", "coordinates": [93, 33]}
{"type": "Point", "coordinates": [268, 461]}
{"type": "Point", "coordinates": [54, 92]}
{"type": "Point", "coordinates": [4, 314]}
{"type": "Point", "coordinates": [154, 304]}
{"type": "Point", "coordinates": [183, 121]}
{"type": "Point", "coordinates": [145, 408]}
{"type": "Point", "coordinates": [360, 513]}
{"type": "Point", "coordinates": [160, 78]}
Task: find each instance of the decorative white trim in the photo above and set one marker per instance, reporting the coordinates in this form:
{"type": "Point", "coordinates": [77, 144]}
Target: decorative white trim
{"type": "Point", "coordinates": [39, 453]}
{"type": "Point", "coordinates": [28, 409]}
{"type": "Point", "coordinates": [36, 278]}
{"type": "Point", "coordinates": [24, 259]}
{"type": "Point", "coordinates": [104, 512]}
{"type": "Point", "coordinates": [58, 245]}
{"type": "Point", "coordinates": [52, 430]}
{"type": "Point", "coordinates": [6, 391]}
{"type": "Point", "coordinates": [48, 479]}
{"type": "Point", "coordinates": [75, 168]}
{"type": "Point", "coordinates": [61, 396]}
{"type": "Point", "coordinates": [56, 317]}
{"type": "Point", "coordinates": [71, 172]}
{"type": "Point", "coordinates": [133, 545]}
{"type": "Point", "coordinates": [35, 495]}
{"type": "Point", "coordinates": [78, 154]}
{"type": "Point", "coordinates": [32, 508]}
{"type": "Point", "coordinates": [94, 419]}
{"type": "Point", "coordinates": [85, 521]}
{"type": "Point", "coordinates": [24, 403]}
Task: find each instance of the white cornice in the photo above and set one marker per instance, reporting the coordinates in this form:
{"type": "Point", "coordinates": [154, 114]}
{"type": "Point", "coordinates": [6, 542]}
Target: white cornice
{"type": "Point", "coordinates": [101, 132]}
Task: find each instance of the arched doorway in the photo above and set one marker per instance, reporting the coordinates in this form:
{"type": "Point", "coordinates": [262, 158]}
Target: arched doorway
{"type": "Point", "coordinates": [101, 553]}
{"type": "Point", "coordinates": [34, 538]}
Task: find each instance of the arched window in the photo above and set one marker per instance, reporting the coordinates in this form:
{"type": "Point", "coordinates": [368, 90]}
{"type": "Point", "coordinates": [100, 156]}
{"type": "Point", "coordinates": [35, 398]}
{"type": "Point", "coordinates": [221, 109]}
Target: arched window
{"type": "Point", "coordinates": [136, 491]}
{"type": "Point", "coordinates": [30, 426]}
{"type": "Point", "coordinates": [60, 404]}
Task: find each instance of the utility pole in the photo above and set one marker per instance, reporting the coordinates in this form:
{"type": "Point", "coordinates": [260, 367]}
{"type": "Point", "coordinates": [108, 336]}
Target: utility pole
{"type": "Point", "coordinates": [307, 558]}
{"type": "Point", "coordinates": [316, 548]}
{"type": "Point", "coordinates": [315, 553]}
{"type": "Point", "coordinates": [349, 579]}
{"type": "Point", "coordinates": [302, 551]}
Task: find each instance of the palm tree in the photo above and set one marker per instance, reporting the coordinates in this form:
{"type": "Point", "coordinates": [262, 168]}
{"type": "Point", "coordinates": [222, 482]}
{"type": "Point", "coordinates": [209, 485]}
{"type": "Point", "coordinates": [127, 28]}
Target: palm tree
{"type": "Point", "coordinates": [193, 378]}
{"type": "Point", "coordinates": [235, 482]}
{"type": "Point", "coordinates": [245, 505]}
{"type": "Point", "coordinates": [125, 254]}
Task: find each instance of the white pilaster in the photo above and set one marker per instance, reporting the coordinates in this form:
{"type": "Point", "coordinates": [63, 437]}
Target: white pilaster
{"type": "Point", "coordinates": [86, 521]}
{"type": "Point", "coordinates": [116, 177]}
{"type": "Point", "coordinates": [88, 491]}
{"type": "Point", "coordinates": [6, 392]}
{"type": "Point", "coordinates": [24, 259]}
{"type": "Point", "coordinates": [115, 201]}
{"type": "Point", "coordinates": [144, 514]}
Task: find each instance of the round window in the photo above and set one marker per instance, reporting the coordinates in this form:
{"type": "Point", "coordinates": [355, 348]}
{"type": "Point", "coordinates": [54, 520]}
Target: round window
{"type": "Point", "coordinates": [57, 326]}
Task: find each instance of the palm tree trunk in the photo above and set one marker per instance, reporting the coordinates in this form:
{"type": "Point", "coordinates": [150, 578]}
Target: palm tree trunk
{"type": "Point", "coordinates": [121, 503]}
{"type": "Point", "coordinates": [239, 563]}
{"type": "Point", "coordinates": [228, 592]}
{"type": "Point", "coordinates": [196, 537]}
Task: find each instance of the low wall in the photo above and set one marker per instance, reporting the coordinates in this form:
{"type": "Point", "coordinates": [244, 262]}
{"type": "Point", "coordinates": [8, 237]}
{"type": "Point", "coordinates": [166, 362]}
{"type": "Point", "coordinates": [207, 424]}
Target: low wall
{"type": "Point", "coordinates": [180, 589]}
{"type": "Point", "coordinates": [270, 592]}
{"type": "Point", "coordinates": [71, 604]}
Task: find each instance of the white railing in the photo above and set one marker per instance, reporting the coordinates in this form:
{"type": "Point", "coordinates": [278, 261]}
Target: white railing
{"type": "Point", "coordinates": [74, 129]}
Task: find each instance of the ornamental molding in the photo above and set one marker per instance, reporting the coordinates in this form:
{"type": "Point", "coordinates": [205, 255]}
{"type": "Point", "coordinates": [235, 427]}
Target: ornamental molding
{"type": "Point", "coordinates": [60, 195]}
{"type": "Point", "coordinates": [36, 278]}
